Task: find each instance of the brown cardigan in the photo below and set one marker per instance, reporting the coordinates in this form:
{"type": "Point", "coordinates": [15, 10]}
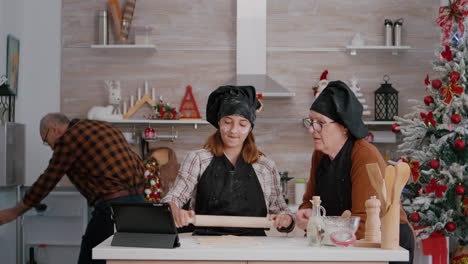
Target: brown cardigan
{"type": "Point", "coordinates": [362, 154]}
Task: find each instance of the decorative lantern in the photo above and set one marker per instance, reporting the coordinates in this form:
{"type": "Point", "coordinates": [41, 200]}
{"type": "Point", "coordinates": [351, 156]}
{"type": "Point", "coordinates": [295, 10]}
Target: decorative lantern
{"type": "Point", "coordinates": [386, 101]}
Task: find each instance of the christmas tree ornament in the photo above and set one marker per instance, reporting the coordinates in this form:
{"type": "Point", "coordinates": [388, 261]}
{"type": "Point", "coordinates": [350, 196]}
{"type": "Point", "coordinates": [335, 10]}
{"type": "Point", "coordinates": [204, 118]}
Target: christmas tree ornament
{"type": "Point", "coordinates": [450, 226]}
{"type": "Point", "coordinates": [415, 217]}
{"type": "Point", "coordinates": [456, 118]}
{"type": "Point", "coordinates": [428, 119]}
{"type": "Point", "coordinates": [459, 144]}
{"type": "Point", "coordinates": [395, 128]}
{"type": "Point", "coordinates": [455, 76]}
{"type": "Point", "coordinates": [436, 188]}
{"type": "Point", "coordinates": [447, 54]}
{"type": "Point", "coordinates": [428, 100]}
{"type": "Point", "coordinates": [451, 16]}
{"type": "Point", "coordinates": [459, 190]}
{"type": "Point", "coordinates": [453, 88]}
{"type": "Point", "coordinates": [427, 82]}
{"type": "Point", "coordinates": [435, 164]}
{"type": "Point", "coordinates": [436, 84]}
{"type": "Point", "coordinates": [415, 169]}
{"type": "Point", "coordinates": [149, 133]}
{"type": "Point", "coordinates": [386, 101]}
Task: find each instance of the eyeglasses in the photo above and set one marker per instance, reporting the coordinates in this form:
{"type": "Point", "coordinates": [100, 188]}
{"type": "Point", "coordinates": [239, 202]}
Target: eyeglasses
{"type": "Point", "coordinates": [44, 141]}
{"type": "Point", "coordinates": [316, 126]}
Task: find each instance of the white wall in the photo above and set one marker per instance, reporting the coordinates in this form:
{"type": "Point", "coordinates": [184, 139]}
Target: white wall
{"type": "Point", "coordinates": [37, 24]}
{"type": "Point", "coordinates": [11, 22]}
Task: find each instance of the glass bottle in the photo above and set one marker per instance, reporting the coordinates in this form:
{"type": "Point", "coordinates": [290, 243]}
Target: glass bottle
{"type": "Point", "coordinates": [316, 227]}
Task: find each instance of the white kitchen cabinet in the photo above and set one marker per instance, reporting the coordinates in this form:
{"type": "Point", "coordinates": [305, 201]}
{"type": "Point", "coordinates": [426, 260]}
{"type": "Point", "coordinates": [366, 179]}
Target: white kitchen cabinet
{"type": "Point", "coordinates": [59, 228]}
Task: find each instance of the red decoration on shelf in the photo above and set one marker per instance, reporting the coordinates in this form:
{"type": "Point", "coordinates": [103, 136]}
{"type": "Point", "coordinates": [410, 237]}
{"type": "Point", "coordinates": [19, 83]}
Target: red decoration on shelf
{"type": "Point", "coordinates": [450, 226]}
{"type": "Point", "coordinates": [450, 15]}
{"type": "Point", "coordinates": [459, 144]}
{"type": "Point", "coordinates": [415, 167]}
{"type": "Point", "coordinates": [451, 89]}
{"type": "Point", "coordinates": [188, 106]}
{"type": "Point", "coordinates": [428, 100]}
{"type": "Point", "coordinates": [415, 217]}
{"type": "Point", "coordinates": [435, 164]}
{"type": "Point", "coordinates": [395, 128]}
{"type": "Point", "coordinates": [456, 118]}
{"type": "Point", "coordinates": [436, 84]}
{"type": "Point", "coordinates": [321, 84]}
{"type": "Point", "coordinates": [439, 189]}
{"type": "Point", "coordinates": [459, 190]}
{"type": "Point", "coordinates": [149, 133]}
{"type": "Point", "coordinates": [428, 119]}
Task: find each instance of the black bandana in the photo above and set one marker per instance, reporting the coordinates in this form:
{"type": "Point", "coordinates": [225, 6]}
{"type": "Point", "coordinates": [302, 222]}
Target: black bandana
{"type": "Point", "coordinates": [340, 104]}
{"type": "Point", "coordinates": [232, 100]}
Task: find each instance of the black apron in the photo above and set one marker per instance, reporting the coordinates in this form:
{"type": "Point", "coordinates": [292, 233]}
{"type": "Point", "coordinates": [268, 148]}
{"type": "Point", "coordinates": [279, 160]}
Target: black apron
{"type": "Point", "coordinates": [333, 180]}
{"type": "Point", "coordinates": [227, 190]}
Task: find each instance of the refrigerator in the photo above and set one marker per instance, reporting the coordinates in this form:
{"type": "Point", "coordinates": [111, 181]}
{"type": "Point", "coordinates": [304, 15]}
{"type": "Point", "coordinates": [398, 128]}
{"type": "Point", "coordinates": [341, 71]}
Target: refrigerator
{"type": "Point", "coordinates": [12, 151]}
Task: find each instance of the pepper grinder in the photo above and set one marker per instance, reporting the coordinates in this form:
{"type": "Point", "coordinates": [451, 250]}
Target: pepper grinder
{"type": "Point", "coordinates": [372, 233]}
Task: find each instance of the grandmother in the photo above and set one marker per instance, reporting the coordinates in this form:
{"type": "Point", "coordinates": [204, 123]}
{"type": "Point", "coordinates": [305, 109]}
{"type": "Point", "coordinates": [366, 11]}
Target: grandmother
{"type": "Point", "coordinates": [230, 176]}
{"type": "Point", "coordinates": [338, 170]}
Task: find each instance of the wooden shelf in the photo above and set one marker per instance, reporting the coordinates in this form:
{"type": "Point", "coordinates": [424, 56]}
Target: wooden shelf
{"type": "Point", "coordinates": [204, 122]}
{"type": "Point", "coordinates": [194, 122]}
{"type": "Point", "coordinates": [125, 47]}
{"type": "Point", "coordinates": [393, 49]}
{"type": "Point", "coordinates": [379, 123]}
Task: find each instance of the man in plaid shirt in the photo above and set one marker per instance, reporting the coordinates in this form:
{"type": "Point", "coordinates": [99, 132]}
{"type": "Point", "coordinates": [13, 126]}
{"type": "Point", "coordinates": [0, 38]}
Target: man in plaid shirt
{"type": "Point", "coordinates": [98, 161]}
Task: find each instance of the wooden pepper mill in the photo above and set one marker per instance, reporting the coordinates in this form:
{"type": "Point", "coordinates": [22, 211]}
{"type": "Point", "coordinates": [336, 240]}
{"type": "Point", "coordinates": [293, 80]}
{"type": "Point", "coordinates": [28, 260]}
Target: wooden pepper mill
{"type": "Point", "coordinates": [372, 233]}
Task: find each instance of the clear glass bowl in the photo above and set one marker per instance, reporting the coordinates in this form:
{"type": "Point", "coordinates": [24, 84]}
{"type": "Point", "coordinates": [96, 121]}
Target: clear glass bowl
{"type": "Point", "coordinates": [340, 231]}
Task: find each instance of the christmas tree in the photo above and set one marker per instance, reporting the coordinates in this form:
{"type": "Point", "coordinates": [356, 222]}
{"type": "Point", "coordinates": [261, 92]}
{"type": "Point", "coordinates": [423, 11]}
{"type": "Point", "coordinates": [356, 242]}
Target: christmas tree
{"type": "Point", "coordinates": [434, 138]}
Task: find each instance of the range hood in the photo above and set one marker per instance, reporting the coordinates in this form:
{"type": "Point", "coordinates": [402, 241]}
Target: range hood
{"type": "Point", "coordinates": [251, 50]}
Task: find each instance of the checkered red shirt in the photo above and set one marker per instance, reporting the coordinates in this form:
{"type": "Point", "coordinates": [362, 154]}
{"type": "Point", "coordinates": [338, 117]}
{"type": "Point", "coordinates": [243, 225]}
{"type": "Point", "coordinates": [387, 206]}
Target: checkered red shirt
{"type": "Point", "coordinates": [96, 158]}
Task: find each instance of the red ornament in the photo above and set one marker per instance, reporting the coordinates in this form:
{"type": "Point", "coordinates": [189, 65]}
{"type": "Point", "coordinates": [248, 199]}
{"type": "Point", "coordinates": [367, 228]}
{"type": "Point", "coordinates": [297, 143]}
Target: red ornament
{"type": "Point", "coordinates": [456, 118]}
{"type": "Point", "coordinates": [395, 128]}
{"type": "Point", "coordinates": [149, 133]}
{"type": "Point", "coordinates": [450, 90]}
{"type": "Point", "coordinates": [460, 190]}
{"type": "Point", "coordinates": [428, 119]}
{"type": "Point", "coordinates": [435, 164]}
{"type": "Point", "coordinates": [436, 84]}
{"type": "Point", "coordinates": [451, 226]}
{"type": "Point", "coordinates": [438, 189]}
{"type": "Point", "coordinates": [428, 100]}
{"type": "Point", "coordinates": [459, 144]}
{"type": "Point", "coordinates": [415, 217]}
{"type": "Point", "coordinates": [455, 76]}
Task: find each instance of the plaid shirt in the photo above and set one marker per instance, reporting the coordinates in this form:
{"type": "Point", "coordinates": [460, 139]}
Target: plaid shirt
{"type": "Point", "coordinates": [96, 158]}
{"type": "Point", "coordinates": [197, 161]}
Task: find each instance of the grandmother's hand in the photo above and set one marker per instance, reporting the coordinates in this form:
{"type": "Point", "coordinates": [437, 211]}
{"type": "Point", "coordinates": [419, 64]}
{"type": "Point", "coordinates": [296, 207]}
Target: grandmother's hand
{"type": "Point", "coordinates": [302, 217]}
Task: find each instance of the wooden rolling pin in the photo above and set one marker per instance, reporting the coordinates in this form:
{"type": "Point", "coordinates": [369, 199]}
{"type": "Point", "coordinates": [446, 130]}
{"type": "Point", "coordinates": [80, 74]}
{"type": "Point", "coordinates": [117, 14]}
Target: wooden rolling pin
{"type": "Point", "coordinates": [231, 221]}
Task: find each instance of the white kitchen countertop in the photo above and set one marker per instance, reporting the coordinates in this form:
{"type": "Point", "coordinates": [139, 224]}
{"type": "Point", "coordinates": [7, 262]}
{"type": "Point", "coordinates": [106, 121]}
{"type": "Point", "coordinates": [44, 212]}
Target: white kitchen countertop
{"type": "Point", "coordinates": [269, 249]}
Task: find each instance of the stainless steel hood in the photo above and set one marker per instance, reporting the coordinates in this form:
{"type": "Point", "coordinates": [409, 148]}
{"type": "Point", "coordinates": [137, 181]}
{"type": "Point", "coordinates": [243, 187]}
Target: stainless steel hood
{"type": "Point", "coordinates": [251, 50]}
